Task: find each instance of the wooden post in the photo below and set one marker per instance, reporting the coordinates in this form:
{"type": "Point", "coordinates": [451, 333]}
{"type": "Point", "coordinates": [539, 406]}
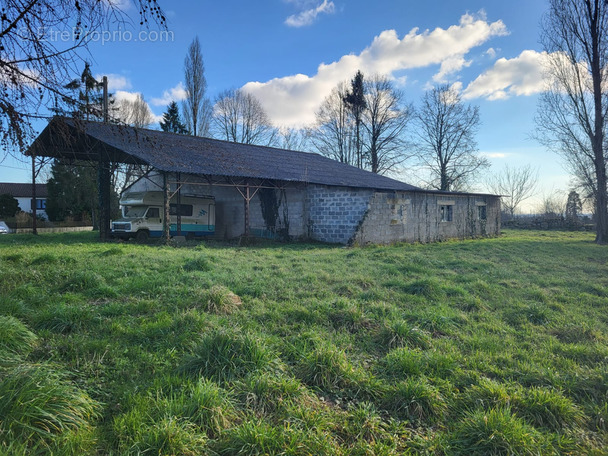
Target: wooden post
{"type": "Point", "coordinates": [34, 212]}
{"type": "Point", "coordinates": [166, 212]}
{"type": "Point", "coordinates": [179, 205]}
{"type": "Point", "coordinates": [247, 199]}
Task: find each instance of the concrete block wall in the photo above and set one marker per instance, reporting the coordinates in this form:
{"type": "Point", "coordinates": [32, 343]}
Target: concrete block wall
{"type": "Point", "coordinates": [334, 213]}
{"type": "Point", "coordinates": [416, 217]}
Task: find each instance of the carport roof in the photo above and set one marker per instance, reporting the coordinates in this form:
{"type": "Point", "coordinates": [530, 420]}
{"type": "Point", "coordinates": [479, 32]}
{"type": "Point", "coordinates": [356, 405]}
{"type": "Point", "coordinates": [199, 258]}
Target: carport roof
{"type": "Point", "coordinates": [85, 140]}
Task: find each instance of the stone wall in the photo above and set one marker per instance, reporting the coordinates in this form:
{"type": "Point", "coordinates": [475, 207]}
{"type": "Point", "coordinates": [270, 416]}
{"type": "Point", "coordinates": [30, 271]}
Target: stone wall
{"type": "Point", "coordinates": [334, 213]}
{"type": "Point", "coordinates": [416, 217]}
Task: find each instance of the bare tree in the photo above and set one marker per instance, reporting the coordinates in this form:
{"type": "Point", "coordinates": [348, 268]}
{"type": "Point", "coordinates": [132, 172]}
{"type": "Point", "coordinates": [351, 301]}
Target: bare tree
{"type": "Point", "coordinates": [445, 139]}
{"type": "Point", "coordinates": [515, 185]}
{"type": "Point", "coordinates": [333, 131]}
{"type": "Point", "coordinates": [292, 139]}
{"type": "Point", "coordinates": [239, 117]}
{"type": "Point", "coordinates": [196, 106]}
{"type": "Point", "coordinates": [571, 118]}
{"type": "Point", "coordinates": [136, 112]}
{"type": "Point", "coordinates": [384, 120]}
{"type": "Point", "coordinates": [36, 61]}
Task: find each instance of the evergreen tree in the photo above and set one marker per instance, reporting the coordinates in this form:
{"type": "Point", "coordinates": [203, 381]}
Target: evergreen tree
{"type": "Point", "coordinates": [87, 101]}
{"type": "Point", "coordinates": [355, 101]}
{"type": "Point", "coordinates": [72, 192]}
{"type": "Point", "coordinates": [171, 121]}
{"type": "Point", "coordinates": [574, 206]}
{"type": "Point", "coordinates": [9, 206]}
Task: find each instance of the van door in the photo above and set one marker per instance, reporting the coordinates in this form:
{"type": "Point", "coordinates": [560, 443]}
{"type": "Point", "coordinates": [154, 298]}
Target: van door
{"type": "Point", "coordinates": [154, 219]}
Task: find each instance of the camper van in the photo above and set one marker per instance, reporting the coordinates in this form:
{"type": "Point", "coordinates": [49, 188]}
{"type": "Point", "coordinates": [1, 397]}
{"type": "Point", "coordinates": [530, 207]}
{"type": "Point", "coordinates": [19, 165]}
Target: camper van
{"type": "Point", "coordinates": [142, 216]}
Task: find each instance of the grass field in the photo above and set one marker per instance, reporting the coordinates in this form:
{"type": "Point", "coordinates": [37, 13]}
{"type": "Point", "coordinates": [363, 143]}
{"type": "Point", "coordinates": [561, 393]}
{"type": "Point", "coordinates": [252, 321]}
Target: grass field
{"type": "Point", "coordinates": [493, 346]}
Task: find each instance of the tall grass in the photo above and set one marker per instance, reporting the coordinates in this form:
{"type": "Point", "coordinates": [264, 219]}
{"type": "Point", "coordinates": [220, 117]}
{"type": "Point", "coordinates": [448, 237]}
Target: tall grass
{"type": "Point", "coordinates": [491, 346]}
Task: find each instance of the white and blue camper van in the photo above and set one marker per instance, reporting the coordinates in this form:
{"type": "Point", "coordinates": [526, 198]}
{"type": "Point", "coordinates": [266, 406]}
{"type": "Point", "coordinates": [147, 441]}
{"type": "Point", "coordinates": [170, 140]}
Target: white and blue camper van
{"type": "Point", "coordinates": [142, 216]}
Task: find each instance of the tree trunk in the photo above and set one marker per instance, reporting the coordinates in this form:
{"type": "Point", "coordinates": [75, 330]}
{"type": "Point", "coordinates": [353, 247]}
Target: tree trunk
{"type": "Point", "coordinates": [601, 205]}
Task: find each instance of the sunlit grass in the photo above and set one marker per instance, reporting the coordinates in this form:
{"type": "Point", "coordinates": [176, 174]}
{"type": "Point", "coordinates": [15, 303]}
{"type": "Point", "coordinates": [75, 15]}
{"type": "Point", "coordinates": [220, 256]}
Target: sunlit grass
{"type": "Point", "coordinates": [492, 346]}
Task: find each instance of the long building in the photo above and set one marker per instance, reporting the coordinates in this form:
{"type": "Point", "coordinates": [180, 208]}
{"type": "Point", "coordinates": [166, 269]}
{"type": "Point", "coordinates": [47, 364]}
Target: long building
{"type": "Point", "coordinates": [314, 197]}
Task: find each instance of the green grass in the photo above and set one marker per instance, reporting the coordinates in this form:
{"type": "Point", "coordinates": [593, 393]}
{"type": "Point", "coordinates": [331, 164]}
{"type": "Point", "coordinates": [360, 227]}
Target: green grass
{"type": "Point", "coordinates": [493, 346]}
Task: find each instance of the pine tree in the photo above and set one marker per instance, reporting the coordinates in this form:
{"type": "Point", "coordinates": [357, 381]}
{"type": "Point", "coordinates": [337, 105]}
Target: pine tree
{"type": "Point", "coordinates": [355, 101]}
{"type": "Point", "coordinates": [171, 121]}
{"type": "Point", "coordinates": [87, 101]}
{"type": "Point", "coordinates": [574, 206]}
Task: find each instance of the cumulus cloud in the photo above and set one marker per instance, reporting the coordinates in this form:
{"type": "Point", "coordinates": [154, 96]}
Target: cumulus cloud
{"type": "Point", "coordinates": [293, 100]}
{"type": "Point", "coordinates": [115, 81]}
{"type": "Point", "coordinates": [176, 93]}
{"type": "Point", "coordinates": [308, 16]}
{"type": "Point", "coordinates": [522, 75]}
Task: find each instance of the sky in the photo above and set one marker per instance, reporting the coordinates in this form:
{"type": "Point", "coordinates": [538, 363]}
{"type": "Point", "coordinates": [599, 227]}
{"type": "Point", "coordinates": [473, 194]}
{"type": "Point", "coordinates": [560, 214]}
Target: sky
{"type": "Point", "coordinates": [291, 53]}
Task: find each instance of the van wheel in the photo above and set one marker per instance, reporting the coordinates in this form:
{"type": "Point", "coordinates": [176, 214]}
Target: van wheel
{"type": "Point", "coordinates": [142, 236]}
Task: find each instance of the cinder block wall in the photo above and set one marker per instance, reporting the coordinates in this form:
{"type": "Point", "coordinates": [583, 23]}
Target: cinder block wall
{"type": "Point", "coordinates": [416, 217]}
{"type": "Point", "coordinates": [334, 213]}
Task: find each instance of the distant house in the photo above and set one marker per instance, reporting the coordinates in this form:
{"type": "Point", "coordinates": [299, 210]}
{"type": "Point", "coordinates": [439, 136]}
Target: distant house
{"type": "Point", "coordinates": [23, 194]}
{"type": "Point", "coordinates": [311, 196]}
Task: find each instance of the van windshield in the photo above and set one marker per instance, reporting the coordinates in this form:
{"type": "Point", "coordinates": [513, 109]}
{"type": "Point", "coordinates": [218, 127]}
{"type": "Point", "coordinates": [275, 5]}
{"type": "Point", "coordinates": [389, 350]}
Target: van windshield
{"type": "Point", "coordinates": [134, 211]}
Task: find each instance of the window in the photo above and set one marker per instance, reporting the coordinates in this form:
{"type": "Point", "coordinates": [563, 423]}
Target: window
{"type": "Point", "coordinates": [153, 212]}
{"type": "Point", "coordinates": [40, 204]}
{"type": "Point", "coordinates": [184, 209]}
{"type": "Point", "coordinates": [481, 212]}
{"type": "Point", "coordinates": [446, 213]}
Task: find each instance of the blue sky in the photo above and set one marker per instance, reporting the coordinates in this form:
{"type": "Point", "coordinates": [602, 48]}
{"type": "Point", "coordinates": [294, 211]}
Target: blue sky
{"type": "Point", "coordinates": [290, 53]}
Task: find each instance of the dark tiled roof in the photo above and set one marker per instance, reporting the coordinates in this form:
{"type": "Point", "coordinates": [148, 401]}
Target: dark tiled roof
{"type": "Point", "coordinates": [196, 155]}
{"type": "Point", "coordinates": [22, 190]}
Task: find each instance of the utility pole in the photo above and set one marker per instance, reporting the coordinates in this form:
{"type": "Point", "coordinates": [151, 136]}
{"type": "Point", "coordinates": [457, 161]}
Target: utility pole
{"type": "Point", "coordinates": [104, 176]}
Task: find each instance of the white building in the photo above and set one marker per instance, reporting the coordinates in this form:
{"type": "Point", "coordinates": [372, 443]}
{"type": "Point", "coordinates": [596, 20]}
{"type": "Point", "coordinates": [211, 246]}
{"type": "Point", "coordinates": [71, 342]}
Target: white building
{"type": "Point", "coordinates": [23, 194]}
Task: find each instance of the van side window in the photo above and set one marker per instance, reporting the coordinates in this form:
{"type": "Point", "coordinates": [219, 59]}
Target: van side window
{"type": "Point", "coordinates": [153, 212]}
{"type": "Point", "coordinates": [184, 209]}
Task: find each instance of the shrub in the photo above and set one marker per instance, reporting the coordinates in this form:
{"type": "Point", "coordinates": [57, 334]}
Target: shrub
{"type": "Point", "coordinates": [39, 406]}
{"type": "Point", "coordinates": [415, 399]}
{"type": "Point", "coordinates": [226, 356]}
{"type": "Point", "coordinates": [494, 432]}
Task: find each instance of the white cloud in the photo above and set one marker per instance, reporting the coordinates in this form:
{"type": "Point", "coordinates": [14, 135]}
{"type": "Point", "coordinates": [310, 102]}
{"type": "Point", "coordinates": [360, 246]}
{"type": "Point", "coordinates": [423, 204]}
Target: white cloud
{"type": "Point", "coordinates": [494, 154]}
{"type": "Point", "coordinates": [115, 81]}
{"type": "Point", "coordinates": [293, 100]}
{"type": "Point", "coordinates": [308, 16]}
{"type": "Point", "coordinates": [522, 75]}
{"type": "Point", "coordinates": [450, 66]}
{"type": "Point", "coordinates": [123, 95]}
{"type": "Point", "coordinates": [491, 52]}
{"type": "Point", "coordinates": [176, 93]}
